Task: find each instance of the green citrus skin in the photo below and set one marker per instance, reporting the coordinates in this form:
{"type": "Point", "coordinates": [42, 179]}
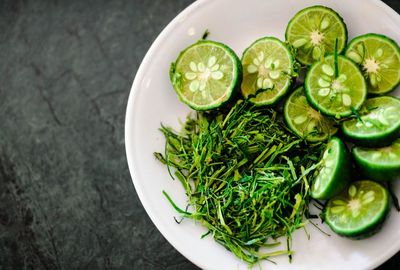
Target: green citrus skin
{"type": "Point", "coordinates": [379, 59]}
{"type": "Point", "coordinates": [335, 173]}
{"type": "Point", "coordinates": [206, 75]}
{"type": "Point", "coordinates": [359, 211]}
{"type": "Point", "coordinates": [378, 123]}
{"type": "Point", "coordinates": [379, 164]}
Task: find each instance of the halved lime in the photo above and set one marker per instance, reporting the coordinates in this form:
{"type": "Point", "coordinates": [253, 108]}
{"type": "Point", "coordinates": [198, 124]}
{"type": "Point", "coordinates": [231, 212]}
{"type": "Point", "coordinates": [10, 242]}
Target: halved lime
{"type": "Point", "coordinates": [378, 124]}
{"type": "Point", "coordinates": [358, 210]}
{"type": "Point", "coordinates": [305, 121]}
{"type": "Point", "coordinates": [380, 164]}
{"type": "Point", "coordinates": [379, 59]}
{"type": "Point", "coordinates": [335, 171]}
{"type": "Point", "coordinates": [313, 32]}
{"type": "Point", "coordinates": [206, 74]}
{"type": "Point", "coordinates": [268, 68]}
{"type": "Point", "coordinates": [338, 95]}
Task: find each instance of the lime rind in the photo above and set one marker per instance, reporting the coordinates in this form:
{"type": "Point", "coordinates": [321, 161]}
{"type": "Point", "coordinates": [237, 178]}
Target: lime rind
{"type": "Point", "coordinates": [379, 58]}
{"type": "Point", "coordinates": [305, 121]}
{"type": "Point", "coordinates": [206, 75]}
{"type": "Point", "coordinates": [268, 71]}
{"type": "Point", "coordinates": [378, 123]}
{"type": "Point", "coordinates": [320, 39]}
{"type": "Point", "coordinates": [379, 164]}
{"type": "Point", "coordinates": [359, 210]}
{"type": "Point", "coordinates": [335, 96]}
{"type": "Point", "coordinates": [385, 156]}
{"type": "Point", "coordinates": [334, 173]}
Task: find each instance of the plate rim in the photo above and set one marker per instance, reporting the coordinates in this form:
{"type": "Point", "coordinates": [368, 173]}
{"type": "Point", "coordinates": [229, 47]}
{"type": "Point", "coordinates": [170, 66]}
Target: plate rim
{"type": "Point", "coordinates": [128, 130]}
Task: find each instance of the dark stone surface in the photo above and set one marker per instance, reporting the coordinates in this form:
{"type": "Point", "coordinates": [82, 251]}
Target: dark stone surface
{"type": "Point", "coordinates": [66, 198]}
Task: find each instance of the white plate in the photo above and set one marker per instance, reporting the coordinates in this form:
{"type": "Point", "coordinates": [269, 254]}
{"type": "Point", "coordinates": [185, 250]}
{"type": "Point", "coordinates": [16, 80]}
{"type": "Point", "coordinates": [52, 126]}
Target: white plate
{"type": "Point", "coordinates": [152, 101]}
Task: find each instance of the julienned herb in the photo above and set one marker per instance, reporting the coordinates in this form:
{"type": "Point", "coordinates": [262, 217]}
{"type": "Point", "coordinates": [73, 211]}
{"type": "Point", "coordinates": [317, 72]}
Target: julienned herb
{"type": "Point", "coordinates": [246, 177]}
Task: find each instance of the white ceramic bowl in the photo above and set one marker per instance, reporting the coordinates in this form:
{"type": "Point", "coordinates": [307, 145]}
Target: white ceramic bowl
{"type": "Point", "coordinates": [152, 101]}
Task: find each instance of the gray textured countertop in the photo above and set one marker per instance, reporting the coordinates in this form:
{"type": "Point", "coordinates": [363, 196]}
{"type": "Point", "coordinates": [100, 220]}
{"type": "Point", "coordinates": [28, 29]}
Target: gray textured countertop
{"type": "Point", "coordinates": [66, 197]}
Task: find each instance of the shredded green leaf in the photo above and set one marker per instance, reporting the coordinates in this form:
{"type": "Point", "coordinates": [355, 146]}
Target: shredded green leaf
{"type": "Point", "coordinates": [336, 61]}
{"type": "Point", "coordinates": [205, 34]}
{"type": "Point", "coordinates": [246, 176]}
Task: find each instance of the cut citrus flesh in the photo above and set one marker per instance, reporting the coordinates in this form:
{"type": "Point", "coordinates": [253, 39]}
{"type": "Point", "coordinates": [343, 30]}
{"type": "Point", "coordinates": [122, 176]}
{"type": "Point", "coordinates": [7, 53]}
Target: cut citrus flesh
{"type": "Point", "coordinates": [380, 164]}
{"type": "Point", "coordinates": [313, 32]}
{"type": "Point", "coordinates": [305, 121]}
{"type": "Point", "coordinates": [338, 95]}
{"type": "Point", "coordinates": [206, 74]}
{"type": "Point", "coordinates": [379, 58]}
{"type": "Point", "coordinates": [334, 173]}
{"type": "Point", "coordinates": [267, 71]}
{"type": "Point", "coordinates": [358, 210]}
{"type": "Point", "coordinates": [378, 124]}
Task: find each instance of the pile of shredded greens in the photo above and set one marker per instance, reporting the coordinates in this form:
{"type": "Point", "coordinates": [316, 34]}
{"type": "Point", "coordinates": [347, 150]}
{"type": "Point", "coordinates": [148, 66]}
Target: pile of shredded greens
{"type": "Point", "coordinates": [246, 176]}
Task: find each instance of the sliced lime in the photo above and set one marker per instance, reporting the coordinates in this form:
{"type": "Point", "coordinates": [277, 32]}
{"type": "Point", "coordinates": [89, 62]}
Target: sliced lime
{"type": "Point", "coordinates": [206, 74]}
{"type": "Point", "coordinates": [334, 173]}
{"type": "Point", "coordinates": [378, 124]}
{"type": "Point", "coordinates": [336, 95]}
{"type": "Point", "coordinates": [359, 210]}
{"type": "Point", "coordinates": [380, 164]}
{"type": "Point", "coordinates": [313, 32]}
{"type": "Point", "coordinates": [267, 71]}
{"type": "Point", "coordinates": [305, 121]}
{"type": "Point", "coordinates": [379, 58]}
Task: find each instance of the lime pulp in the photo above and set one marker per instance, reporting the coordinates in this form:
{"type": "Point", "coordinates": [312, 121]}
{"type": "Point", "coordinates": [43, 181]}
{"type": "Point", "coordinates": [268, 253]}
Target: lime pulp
{"type": "Point", "coordinates": [205, 75]}
{"type": "Point", "coordinates": [335, 93]}
{"type": "Point", "coordinates": [268, 68]}
{"type": "Point", "coordinates": [305, 121]}
{"type": "Point", "coordinates": [313, 32]}
{"type": "Point", "coordinates": [379, 58]}
{"type": "Point", "coordinates": [358, 210]}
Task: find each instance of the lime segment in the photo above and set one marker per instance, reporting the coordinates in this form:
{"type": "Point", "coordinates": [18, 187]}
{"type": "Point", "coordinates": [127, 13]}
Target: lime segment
{"type": "Point", "coordinates": [380, 164]}
{"type": "Point", "coordinates": [267, 71]}
{"type": "Point", "coordinates": [205, 75]}
{"type": "Point", "coordinates": [313, 32]}
{"type": "Point", "coordinates": [334, 173]}
{"type": "Point", "coordinates": [358, 210]}
{"type": "Point", "coordinates": [335, 96]}
{"type": "Point", "coordinates": [378, 124]}
{"type": "Point", "coordinates": [379, 58]}
{"type": "Point", "coordinates": [305, 121]}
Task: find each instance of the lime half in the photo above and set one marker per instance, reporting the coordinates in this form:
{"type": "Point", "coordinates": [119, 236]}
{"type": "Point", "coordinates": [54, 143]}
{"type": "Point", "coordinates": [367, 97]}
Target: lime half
{"type": "Point", "coordinates": [206, 74]}
{"type": "Point", "coordinates": [334, 173]}
{"type": "Point", "coordinates": [359, 210]}
{"type": "Point", "coordinates": [267, 71]}
{"type": "Point", "coordinates": [380, 164]}
{"type": "Point", "coordinates": [338, 95]}
{"type": "Point", "coordinates": [305, 121]}
{"type": "Point", "coordinates": [378, 124]}
{"type": "Point", "coordinates": [313, 32]}
{"type": "Point", "coordinates": [379, 58]}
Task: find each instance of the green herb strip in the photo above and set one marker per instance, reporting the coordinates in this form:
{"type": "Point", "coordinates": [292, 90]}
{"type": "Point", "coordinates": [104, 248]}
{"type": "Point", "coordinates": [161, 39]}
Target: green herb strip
{"type": "Point", "coordinates": [246, 177]}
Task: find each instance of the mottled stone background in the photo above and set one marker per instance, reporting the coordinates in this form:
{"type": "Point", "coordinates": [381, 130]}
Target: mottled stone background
{"type": "Point", "coordinates": [66, 197]}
